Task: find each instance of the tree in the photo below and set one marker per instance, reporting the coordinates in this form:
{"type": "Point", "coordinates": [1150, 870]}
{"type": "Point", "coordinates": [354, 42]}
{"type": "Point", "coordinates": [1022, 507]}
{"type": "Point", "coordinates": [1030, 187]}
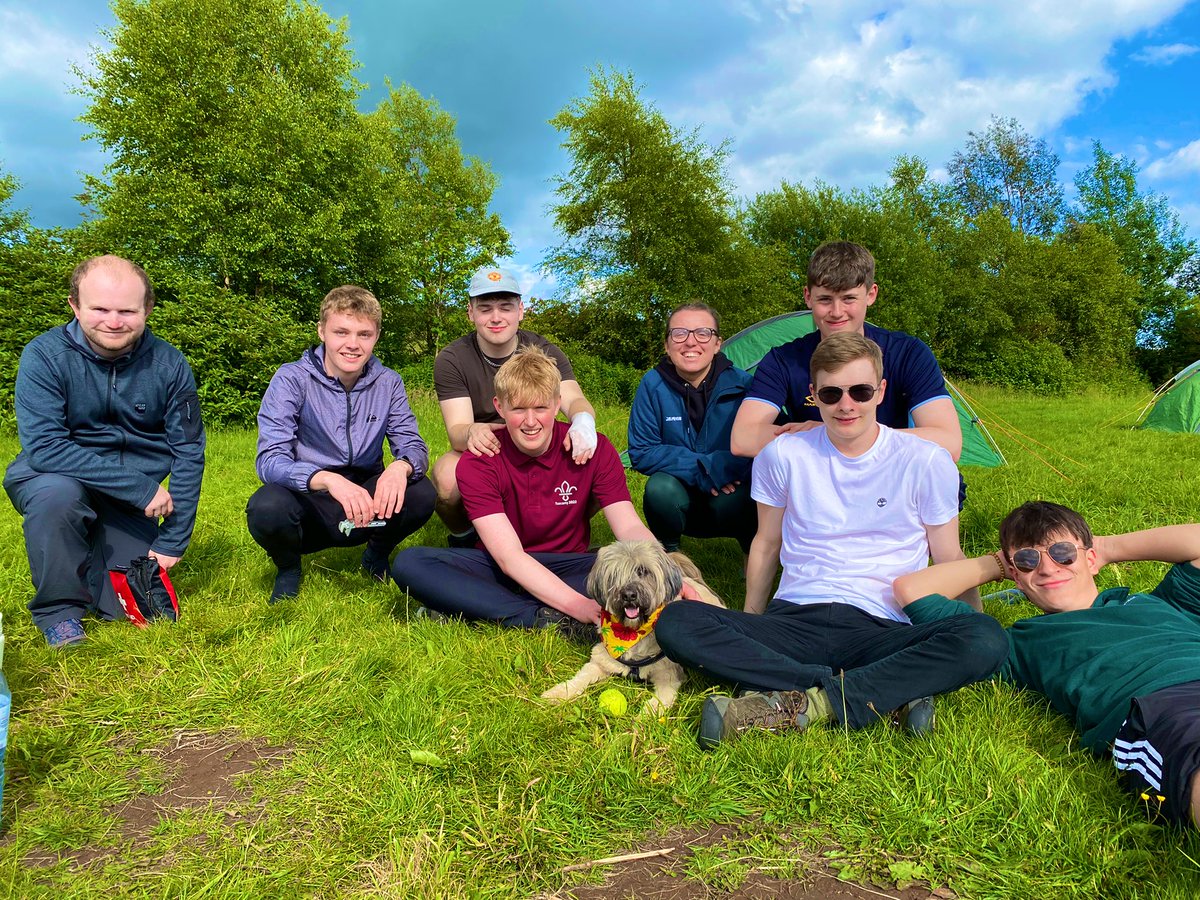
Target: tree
{"type": "Point", "coordinates": [234, 140]}
{"type": "Point", "coordinates": [1005, 167]}
{"type": "Point", "coordinates": [644, 211]}
{"type": "Point", "coordinates": [432, 227]}
{"type": "Point", "coordinates": [1151, 243]}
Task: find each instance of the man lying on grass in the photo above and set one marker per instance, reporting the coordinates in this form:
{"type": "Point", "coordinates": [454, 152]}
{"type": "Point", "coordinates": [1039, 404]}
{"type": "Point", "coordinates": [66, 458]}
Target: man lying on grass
{"type": "Point", "coordinates": [1124, 667]}
{"type": "Point", "coordinates": [528, 503]}
{"type": "Point", "coordinates": [846, 507]}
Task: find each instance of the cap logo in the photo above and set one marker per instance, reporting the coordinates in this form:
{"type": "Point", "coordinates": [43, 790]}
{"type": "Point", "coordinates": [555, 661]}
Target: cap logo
{"type": "Point", "coordinates": [494, 276]}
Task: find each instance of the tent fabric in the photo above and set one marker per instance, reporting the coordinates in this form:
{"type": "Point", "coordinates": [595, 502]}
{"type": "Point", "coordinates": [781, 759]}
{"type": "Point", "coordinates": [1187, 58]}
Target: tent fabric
{"type": "Point", "coordinates": [1178, 405]}
{"type": "Point", "coordinates": [747, 348]}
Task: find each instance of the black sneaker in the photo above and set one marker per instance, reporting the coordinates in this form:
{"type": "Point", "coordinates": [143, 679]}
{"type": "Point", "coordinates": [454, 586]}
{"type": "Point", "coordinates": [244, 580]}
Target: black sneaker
{"type": "Point", "coordinates": [572, 629]}
{"type": "Point", "coordinates": [287, 584]}
{"type": "Point", "coordinates": [724, 718]}
{"type": "Point", "coordinates": [433, 615]}
{"type": "Point", "coordinates": [916, 717]}
{"type": "Point", "coordinates": [468, 541]}
{"type": "Point", "coordinates": [376, 564]}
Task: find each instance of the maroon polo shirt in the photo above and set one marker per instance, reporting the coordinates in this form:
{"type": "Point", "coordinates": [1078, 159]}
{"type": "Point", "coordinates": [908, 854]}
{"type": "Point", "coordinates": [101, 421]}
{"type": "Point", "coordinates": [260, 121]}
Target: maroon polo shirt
{"type": "Point", "coordinates": [545, 497]}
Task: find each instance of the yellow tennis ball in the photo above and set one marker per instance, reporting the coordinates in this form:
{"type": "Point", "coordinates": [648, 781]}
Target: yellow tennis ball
{"type": "Point", "coordinates": [613, 703]}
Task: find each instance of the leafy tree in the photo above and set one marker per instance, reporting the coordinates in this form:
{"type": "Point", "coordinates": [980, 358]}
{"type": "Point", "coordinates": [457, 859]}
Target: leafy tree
{"type": "Point", "coordinates": [432, 227]}
{"type": "Point", "coordinates": [645, 213]}
{"type": "Point", "coordinates": [1005, 167]}
{"type": "Point", "coordinates": [1151, 242]}
{"type": "Point", "coordinates": [234, 140]}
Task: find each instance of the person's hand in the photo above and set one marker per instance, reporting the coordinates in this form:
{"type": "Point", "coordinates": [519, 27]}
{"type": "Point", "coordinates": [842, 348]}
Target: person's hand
{"type": "Point", "coordinates": [793, 427]}
{"type": "Point", "coordinates": [390, 488]}
{"type": "Point", "coordinates": [583, 609]}
{"type": "Point", "coordinates": [164, 561]}
{"type": "Point", "coordinates": [687, 592]}
{"type": "Point", "coordinates": [160, 506]}
{"type": "Point", "coordinates": [726, 489]}
{"type": "Point", "coordinates": [356, 501]}
{"type": "Point", "coordinates": [581, 438]}
{"type": "Point", "coordinates": [482, 440]}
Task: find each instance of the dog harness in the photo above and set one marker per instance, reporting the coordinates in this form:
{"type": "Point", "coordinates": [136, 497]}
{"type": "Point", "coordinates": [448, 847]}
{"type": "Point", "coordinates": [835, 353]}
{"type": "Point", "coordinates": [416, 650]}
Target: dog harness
{"type": "Point", "coordinates": [619, 640]}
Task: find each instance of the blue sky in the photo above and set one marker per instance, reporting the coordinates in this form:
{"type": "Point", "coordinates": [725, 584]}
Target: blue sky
{"type": "Point", "coordinates": [804, 89]}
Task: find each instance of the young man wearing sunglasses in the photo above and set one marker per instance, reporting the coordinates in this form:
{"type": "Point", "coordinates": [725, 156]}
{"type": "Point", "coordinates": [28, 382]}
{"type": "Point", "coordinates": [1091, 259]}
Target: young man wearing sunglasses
{"type": "Point", "coordinates": [679, 428]}
{"type": "Point", "coordinates": [1124, 667]}
{"type": "Point", "coordinates": [845, 508]}
{"type": "Point", "coordinates": [841, 287]}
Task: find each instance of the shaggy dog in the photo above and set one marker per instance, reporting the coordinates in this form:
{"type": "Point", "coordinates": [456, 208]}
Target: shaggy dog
{"type": "Point", "coordinates": [632, 581]}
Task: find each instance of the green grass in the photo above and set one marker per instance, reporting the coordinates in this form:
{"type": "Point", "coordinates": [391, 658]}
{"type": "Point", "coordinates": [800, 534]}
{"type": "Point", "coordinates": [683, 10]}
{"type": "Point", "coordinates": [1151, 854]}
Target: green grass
{"type": "Point", "coordinates": [1001, 803]}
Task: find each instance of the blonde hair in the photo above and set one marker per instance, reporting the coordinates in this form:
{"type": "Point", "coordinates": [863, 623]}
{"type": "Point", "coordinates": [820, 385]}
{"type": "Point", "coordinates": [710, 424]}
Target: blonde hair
{"type": "Point", "coordinates": [530, 375]}
{"type": "Point", "coordinates": [353, 301]}
{"type": "Point", "coordinates": [837, 350]}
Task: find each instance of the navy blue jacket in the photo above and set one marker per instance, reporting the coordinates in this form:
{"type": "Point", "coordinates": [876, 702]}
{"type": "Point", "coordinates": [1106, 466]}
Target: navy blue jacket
{"type": "Point", "coordinates": [118, 426]}
{"type": "Point", "coordinates": [661, 438]}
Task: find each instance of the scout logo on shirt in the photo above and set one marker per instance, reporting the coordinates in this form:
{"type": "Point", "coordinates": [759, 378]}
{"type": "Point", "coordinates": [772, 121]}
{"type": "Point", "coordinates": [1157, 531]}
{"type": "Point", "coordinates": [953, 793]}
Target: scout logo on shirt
{"type": "Point", "coordinates": [564, 492]}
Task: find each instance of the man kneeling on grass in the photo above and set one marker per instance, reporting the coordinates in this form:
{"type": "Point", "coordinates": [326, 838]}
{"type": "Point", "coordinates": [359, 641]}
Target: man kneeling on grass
{"type": "Point", "coordinates": [529, 505]}
{"type": "Point", "coordinates": [1124, 667]}
{"type": "Point", "coordinates": [846, 507]}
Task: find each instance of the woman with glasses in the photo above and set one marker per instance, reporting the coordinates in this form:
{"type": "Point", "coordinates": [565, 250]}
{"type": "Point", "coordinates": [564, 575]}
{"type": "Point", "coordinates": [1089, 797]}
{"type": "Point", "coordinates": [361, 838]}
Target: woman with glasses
{"type": "Point", "coordinates": [679, 435]}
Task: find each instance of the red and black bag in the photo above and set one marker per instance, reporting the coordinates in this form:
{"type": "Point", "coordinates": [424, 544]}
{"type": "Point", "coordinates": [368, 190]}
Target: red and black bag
{"type": "Point", "coordinates": [145, 591]}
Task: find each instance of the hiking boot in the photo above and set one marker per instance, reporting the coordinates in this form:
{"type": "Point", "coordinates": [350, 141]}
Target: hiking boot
{"type": "Point", "coordinates": [466, 541]}
{"type": "Point", "coordinates": [65, 633]}
{"type": "Point", "coordinates": [376, 564]}
{"type": "Point", "coordinates": [916, 716]}
{"type": "Point", "coordinates": [724, 718]}
{"type": "Point", "coordinates": [433, 615]}
{"type": "Point", "coordinates": [572, 629]}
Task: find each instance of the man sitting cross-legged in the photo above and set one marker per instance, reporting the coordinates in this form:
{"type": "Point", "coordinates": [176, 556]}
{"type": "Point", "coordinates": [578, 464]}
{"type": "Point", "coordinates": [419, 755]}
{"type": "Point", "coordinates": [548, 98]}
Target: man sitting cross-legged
{"type": "Point", "coordinates": [845, 507]}
{"type": "Point", "coordinates": [529, 503]}
{"type": "Point", "coordinates": [1125, 667]}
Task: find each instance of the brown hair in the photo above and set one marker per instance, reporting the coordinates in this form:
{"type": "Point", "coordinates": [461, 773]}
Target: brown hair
{"type": "Point", "coordinates": [353, 301]}
{"type": "Point", "coordinates": [841, 266]}
{"type": "Point", "coordinates": [110, 261]}
{"type": "Point", "coordinates": [1033, 522]}
{"type": "Point", "coordinates": [530, 375]}
{"type": "Point", "coordinates": [697, 306]}
{"type": "Point", "coordinates": [837, 350]}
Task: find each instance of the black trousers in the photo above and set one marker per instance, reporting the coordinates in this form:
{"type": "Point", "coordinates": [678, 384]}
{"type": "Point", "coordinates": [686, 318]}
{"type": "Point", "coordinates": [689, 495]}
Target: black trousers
{"type": "Point", "coordinates": [288, 524]}
{"type": "Point", "coordinates": [869, 666]}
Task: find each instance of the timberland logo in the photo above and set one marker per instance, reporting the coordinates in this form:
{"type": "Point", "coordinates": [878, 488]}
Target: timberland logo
{"type": "Point", "coordinates": [881, 502]}
{"type": "Point", "coordinates": [564, 492]}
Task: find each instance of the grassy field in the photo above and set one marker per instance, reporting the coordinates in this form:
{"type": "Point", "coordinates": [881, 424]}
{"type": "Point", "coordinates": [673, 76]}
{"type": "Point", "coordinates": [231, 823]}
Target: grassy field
{"type": "Point", "coordinates": [329, 705]}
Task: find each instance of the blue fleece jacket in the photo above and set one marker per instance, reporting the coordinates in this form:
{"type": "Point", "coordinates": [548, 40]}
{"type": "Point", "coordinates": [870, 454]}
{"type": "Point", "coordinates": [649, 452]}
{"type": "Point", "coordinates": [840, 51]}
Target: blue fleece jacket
{"type": "Point", "coordinates": [308, 422]}
{"type": "Point", "coordinates": [661, 438]}
{"type": "Point", "coordinates": [119, 426]}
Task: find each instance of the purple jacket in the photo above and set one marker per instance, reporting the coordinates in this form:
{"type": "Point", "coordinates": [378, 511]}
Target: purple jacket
{"type": "Point", "coordinates": [308, 422]}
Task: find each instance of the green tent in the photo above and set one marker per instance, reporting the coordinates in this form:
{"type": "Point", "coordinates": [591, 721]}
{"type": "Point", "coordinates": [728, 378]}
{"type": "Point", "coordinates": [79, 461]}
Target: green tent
{"type": "Point", "coordinates": [747, 348]}
{"type": "Point", "coordinates": [1176, 405]}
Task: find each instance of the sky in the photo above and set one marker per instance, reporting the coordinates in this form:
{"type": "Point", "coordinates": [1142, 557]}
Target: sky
{"type": "Point", "coordinates": [802, 89]}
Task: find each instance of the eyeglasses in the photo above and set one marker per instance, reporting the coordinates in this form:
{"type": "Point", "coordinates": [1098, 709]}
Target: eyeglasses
{"type": "Point", "coordinates": [859, 393]}
{"type": "Point", "coordinates": [1064, 553]}
{"type": "Point", "coordinates": [703, 335]}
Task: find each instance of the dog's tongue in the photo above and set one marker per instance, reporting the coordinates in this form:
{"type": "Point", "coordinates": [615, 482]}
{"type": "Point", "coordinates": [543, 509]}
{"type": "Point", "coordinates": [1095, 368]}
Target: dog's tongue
{"type": "Point", "coordinates": [632, 612]}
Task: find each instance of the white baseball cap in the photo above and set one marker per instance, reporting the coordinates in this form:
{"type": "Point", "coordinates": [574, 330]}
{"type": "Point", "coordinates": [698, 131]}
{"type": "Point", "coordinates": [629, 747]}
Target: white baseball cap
{"type": "Point", "coordinates": [490, 280]}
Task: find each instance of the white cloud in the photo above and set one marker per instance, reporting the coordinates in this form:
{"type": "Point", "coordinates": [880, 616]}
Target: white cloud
{"type": "Point", "coordinates": [1164, 54]}
{"type": "Point", "coordinates": [1183, 162]}
{"type": "Point", "coordinates": [31, 50]}
{"type": "Point", "coordinates": [846, 87]}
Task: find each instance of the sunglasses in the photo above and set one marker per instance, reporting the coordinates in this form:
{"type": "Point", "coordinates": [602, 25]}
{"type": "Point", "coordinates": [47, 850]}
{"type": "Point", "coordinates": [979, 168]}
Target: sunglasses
{"type": "Point", "coordinates": [703, 335]}
{"type": "Point", "coordinates": [1027, 558]}
{"type": "Point", "coordinates": [859, 393]}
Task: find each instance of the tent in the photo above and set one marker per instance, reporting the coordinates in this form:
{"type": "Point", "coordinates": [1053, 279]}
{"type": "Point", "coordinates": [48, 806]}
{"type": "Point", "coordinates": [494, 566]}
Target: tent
{"type": "Point", "coordinates": [1176, 405]}
{"type": "Point", "coordinates": [747, 348]}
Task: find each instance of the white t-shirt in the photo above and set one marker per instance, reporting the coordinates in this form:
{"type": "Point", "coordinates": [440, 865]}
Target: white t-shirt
{"type": "Point", "coordinates": [851, 526]}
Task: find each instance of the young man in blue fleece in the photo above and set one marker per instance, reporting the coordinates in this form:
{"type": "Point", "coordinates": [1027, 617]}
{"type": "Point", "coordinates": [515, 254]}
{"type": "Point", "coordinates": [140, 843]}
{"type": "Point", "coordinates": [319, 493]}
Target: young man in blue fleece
{"type": "Point", "coordinates": [321, 429]}
{"type": "Point", "coordinates": [1123, 666]}
{"type": "Point", "coordinates": [105, 412]}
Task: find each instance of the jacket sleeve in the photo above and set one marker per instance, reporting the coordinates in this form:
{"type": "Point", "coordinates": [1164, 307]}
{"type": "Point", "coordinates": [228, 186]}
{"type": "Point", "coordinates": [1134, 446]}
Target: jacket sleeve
{"type": "Point", "coordinates": [41, 408]}
{"type": "Point", "coordinates": [403, 436]}
{"type": "Point", "coordinates": [186, 438]}
{"type": "Point", "coordinates": [648, 453]}
{"type": "Point", "coordinates": [278, 432]}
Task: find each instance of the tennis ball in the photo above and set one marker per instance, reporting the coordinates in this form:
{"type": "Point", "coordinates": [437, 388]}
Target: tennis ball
{"type": "Point", "coordinates": [613, 703]}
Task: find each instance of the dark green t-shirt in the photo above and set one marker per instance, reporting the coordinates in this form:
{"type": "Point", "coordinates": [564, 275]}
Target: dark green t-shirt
{"type": "Point", "coordinates": [1091, 662]}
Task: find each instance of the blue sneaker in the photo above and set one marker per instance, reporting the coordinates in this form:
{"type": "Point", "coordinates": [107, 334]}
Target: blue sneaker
{"type": "Point", "coordinates": [68, 631]}
{"type": "Point", "coordinates": [917, 717]}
